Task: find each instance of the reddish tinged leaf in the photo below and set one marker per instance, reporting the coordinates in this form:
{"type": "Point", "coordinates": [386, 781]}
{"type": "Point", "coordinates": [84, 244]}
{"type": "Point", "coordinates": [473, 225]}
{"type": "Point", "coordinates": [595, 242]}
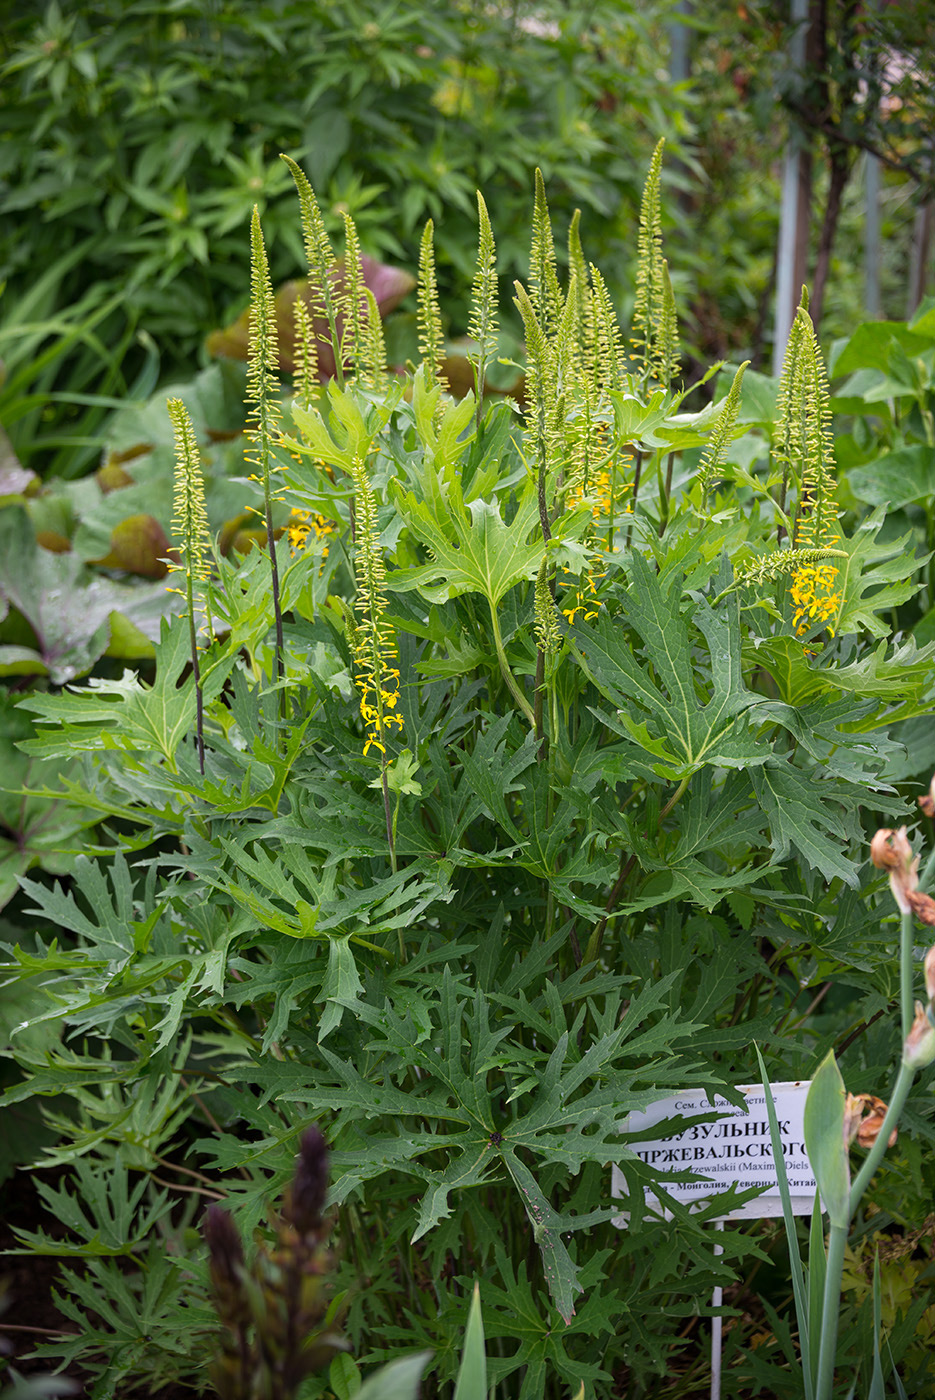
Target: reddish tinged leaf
{"type": "Point", "coordinates": [53, 542]}
{"type": "Point", "coordinates": [388, 284]}
{"type": "Point", "coordinates": [14, 479]}
{"type": "Point", "coordinates": [139, 545]}
{"type": "Point", "coordinates": [70, 619]}
{"type": "Point", "coordinates": [112, 476]}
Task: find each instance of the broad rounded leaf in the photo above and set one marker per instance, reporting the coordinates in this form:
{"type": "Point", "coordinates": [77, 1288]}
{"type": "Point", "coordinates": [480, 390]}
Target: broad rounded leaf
{"type": "Point", "coordinates": [824, 1140]}
{"type": "Point", "coordinates": [138, 545]}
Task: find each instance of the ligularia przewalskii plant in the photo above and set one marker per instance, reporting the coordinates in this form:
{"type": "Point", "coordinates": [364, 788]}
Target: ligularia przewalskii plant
{"type": "Point", "coordinates": [555, 812]}
{"type": "Point", "coordinates": [576, 365]}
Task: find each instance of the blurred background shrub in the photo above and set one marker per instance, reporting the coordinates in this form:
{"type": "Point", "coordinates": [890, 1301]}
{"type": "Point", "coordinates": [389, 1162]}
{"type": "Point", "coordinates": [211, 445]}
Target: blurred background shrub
{"type": "Point", "coordinates": [136, 138]}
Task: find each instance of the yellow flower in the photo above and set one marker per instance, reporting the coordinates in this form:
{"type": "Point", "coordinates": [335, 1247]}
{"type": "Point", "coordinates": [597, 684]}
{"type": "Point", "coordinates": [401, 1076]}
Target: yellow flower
{"type": "Point", "coordinates": [302, 524]}
{"type": "Point", "coordinates": [814, 598]}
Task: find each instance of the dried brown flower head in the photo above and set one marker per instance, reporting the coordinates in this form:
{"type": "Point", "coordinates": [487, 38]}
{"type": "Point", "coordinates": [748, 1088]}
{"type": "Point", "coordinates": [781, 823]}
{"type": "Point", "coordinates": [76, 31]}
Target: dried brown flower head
{"type": "Point", "coordinates": [923, 906]}
{"type": "Point", "coordinates": [919, 1049]}
{"type": "Point", "coordinates": [930, 973]}
{"type": "Point", "coordinates": [927, 802]}
{"type": "Point", "coordinates": [863, 1119]}
{"type": "Point", "coordinates": [890, 850]}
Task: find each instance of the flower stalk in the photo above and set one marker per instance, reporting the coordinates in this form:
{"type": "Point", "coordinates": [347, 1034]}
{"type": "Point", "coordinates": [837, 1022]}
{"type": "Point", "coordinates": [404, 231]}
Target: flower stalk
{"type": "Point", "coordinates": [373, 642]}
{"type": "Point", "coordinates": [483, 326]}
{"type": "Point", "coordinates": [263, 397]}
{"type": "Point", "coordinates": [191, 524]}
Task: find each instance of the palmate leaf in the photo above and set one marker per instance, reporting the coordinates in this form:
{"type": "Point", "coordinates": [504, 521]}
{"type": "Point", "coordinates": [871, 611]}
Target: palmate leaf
{"type": "Point", "coordinates": [808, 813]}
{"type": "Point", "coordinates": [515, 1311]}
{"type": "Point", "coordinates": [241, 596]}
{"type": "Point", "coordinates": [442, 430]}
{"type": "Point", "coordinates": [129, 1323]}
{"type": "Point", "coordinates": [342, 985]}
{"type": "Point", "coordinates": [58, 1070]}
{"type": "Point", "coordinates": [551, 845]}
{"type": "Point", "coordinates": [561, 1128]}
{"type": "Point", "coordinates": [784, 658]}
{"type": "Point", "coordinates": [492, 771]}
{"type": "Point", "coordinates": [885, 567]}
{"type": "Point", "coordinates": [698, 860]}
{"type": "Point", "coordinates": [568, 1113]}
{"type": "Point", "coordinates": [113, 929]}
{"type": "Point", "coordinates": [474, 551]}
{"type": "Point", "coordinates": [825, 731]}
{"type": "Point", "coordinates": [127, 714]}
{"type": "Point", "coordinates": [668, 881]}
{"type": "Point", "coordinates": [902, 677]}
{"type": "Point", "coordinates": [109, 1215]}
{"type": "Point", "coordinates": [660, 709]}
{"type": "Point", "coordinates": [285, 889]}
{"type": "Point", "coordinates": [348, 434]}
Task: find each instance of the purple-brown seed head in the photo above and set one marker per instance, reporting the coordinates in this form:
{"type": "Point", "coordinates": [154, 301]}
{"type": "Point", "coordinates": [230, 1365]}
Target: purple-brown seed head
{"type": "Point", "coordinates": [305, 1199]}
{"type": "Point", "coordinates": [226, 1260]}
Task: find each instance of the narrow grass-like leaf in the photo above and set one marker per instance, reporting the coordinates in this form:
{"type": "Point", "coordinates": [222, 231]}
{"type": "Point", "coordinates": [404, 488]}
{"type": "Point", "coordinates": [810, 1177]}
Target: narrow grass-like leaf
{"type": "Point", "coordinates": [815, 1275]}
{"type": "Point", "coordinates": [877, 1389]}
{"type": "Point", "coordinates": [799, 1278]}
{"type": "Point", "coordinates": [472, 1373]}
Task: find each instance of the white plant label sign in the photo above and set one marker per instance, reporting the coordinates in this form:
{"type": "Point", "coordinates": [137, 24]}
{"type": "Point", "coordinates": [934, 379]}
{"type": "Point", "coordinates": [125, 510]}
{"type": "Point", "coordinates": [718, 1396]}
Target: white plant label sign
{"type": "Point", "coordinates": [733, 1149]}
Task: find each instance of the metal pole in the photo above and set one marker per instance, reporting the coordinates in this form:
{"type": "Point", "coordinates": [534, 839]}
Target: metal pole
{"type": "Point", "coordinates": [717, 1333]}
{"type": "Point", "coordinates": [679, 45]}
{"type": "Point", "coordinates": [919, 257]}
{"type": "Point", "coordinates": [872, 238]}
{"type": "Point", "coordinates": [793, 219]}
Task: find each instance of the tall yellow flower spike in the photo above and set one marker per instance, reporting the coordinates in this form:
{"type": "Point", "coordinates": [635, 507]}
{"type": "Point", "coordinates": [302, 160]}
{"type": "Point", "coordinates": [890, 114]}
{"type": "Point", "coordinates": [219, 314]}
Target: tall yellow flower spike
{"type": "Point", "coordinates": [190, 516]}
{"type": "Point", "coordinates": [191, 523]}
{"type": "Point", "coordinates": [374, 644]}
{"type": "Point", "coordinates": [264, 412]}
{"type": "Point", "coordinates": [806, 445]}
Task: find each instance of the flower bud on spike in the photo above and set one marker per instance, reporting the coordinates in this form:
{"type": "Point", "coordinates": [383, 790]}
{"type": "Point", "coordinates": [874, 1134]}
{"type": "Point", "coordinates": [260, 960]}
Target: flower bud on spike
{"type": "Point", "coordinates": [890, 850]}
{"type": "Point", "coordinates": [927, 802]}
{"type": "Point", "coordinates": [919, 1049]}
{"type": "Point", "coordinates": [930, 973]}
